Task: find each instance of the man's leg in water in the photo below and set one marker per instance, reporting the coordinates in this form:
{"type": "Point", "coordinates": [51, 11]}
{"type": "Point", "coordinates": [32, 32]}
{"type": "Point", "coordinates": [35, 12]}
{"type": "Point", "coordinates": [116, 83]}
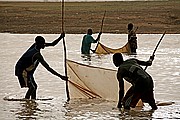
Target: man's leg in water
{"type": "Point", "coordinates": [32, 88]}
{"type": "Point", "coordinates": [148, 97]}
{"type": "Point", "coordinates": [127, 98]}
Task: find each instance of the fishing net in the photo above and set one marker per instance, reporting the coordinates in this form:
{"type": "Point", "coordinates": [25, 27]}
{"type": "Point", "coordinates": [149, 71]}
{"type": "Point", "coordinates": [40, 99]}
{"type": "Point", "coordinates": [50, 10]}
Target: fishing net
{"type": "Point", "coordinates": [93, 82]}
{"type": "Point", "coordinates": [102, 49]}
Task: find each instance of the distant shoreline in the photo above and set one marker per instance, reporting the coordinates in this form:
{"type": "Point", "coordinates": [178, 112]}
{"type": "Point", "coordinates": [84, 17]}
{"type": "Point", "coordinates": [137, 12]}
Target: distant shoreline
{"type": "Point", "coordinates": [151, 17]}
{"type": "Point", "coordinates": [73, 0]}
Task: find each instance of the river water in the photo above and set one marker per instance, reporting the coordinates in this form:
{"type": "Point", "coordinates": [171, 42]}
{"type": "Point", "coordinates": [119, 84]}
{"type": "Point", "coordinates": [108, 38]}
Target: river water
{"type": "Point", "coordinates": [165, 72]}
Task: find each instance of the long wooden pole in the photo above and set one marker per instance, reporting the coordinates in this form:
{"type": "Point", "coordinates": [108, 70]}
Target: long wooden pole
{"type": "Point", "coordinates": [103, 21]}
{"type": "Point", "coordinates": [156, 47]}
{"type": "Point", "coordinates": [64, 44]}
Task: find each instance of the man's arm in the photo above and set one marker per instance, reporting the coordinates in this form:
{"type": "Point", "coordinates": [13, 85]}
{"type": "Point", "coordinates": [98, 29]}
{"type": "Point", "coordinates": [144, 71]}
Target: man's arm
{"type": "Point", "coordinates": [99, 35]}
{"type": "Point", "coordinates": [121, 88]}
{"type": "Point", "coordinates": [44, 63]}
{"type": "Point", "coordinates": [55, 41]}
{"type": "Point", "coordinates": [144, 63]}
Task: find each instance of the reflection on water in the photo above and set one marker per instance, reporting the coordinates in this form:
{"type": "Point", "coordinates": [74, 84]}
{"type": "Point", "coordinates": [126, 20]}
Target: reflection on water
{"type": "Point", "coordinates": [165, 72]}
{"type": "Point", "coordinates": [28, 110]}
{"type": "Point", "coordinates": [101, 109]}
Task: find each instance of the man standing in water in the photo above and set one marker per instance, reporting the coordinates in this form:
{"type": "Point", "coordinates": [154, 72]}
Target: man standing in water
{"type": "Point", "coordinates": [87, 40]}
{"type": "Point", "coordinates": [142, 83]}
{"type": "Point", "coordinates": [132, 39]}
{"type": "Point", "coordinates": [28, 63]}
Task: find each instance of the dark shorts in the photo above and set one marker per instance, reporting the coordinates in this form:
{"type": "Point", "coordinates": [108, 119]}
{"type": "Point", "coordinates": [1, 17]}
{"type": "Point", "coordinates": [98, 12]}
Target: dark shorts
{"type": "Point", "coordinates": [142, 91]}
{"type": "Point", "coordinates": [132, 98]}
{"type": "Point", "coordinates": [143, 84]}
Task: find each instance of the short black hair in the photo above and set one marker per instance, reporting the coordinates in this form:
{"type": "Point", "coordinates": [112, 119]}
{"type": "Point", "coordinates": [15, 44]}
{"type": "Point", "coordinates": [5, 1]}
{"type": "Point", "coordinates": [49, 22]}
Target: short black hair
{"type": "Point", "coordinates": [130, 26]}
{"type": "Point", "coordinates": [39, 40]}
{"type": "Point", "coordinates": [117, 59]}
{"type": "Point", "coordinates": [118, 56]}
{"type": "Point", "coordinates": [89, 31]}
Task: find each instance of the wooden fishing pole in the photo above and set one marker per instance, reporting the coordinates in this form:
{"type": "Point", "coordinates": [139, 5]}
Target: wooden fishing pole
{"type": "Point", "coordinates": [156, 47]}
{"type": "Point", "coordinates": [64, 44]}
{"type": "Point", "coordinates": [102, 23]}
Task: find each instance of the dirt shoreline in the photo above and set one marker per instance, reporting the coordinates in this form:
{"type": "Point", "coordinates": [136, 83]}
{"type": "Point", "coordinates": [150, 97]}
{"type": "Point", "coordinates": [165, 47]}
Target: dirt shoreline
{"type": "Point", "coordinates": [150, 17]}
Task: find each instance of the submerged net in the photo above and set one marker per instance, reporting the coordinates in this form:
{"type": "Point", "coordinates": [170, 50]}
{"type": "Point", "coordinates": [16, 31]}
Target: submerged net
{"type": "Point", "coordinates": [102, 49]}
{"type": "Point", "coordinates": [93, 82]}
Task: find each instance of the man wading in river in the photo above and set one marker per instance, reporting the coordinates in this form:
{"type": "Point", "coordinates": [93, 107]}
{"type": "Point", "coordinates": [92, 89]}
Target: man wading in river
{"type": "Point", "coordinates": [142, 83]}
{"type": "Point", "coordinates": [28, 63]}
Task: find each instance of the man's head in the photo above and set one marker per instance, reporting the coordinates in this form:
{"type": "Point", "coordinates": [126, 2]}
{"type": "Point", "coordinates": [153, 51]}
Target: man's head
{"type": "Point", "coordinates": [89, 31]}
{"type": "Point", "coordinates": [40, 42]}
{"type": "Point", "coordinates": [130, 26]}
{"type": "Point", "coordinates": [117, 59]}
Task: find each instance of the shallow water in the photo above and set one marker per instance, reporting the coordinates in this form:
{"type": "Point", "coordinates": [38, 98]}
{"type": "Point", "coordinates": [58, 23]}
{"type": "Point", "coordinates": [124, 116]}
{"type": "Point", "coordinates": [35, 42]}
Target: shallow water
{"type": "Point", "coordinates": [165, 72]}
